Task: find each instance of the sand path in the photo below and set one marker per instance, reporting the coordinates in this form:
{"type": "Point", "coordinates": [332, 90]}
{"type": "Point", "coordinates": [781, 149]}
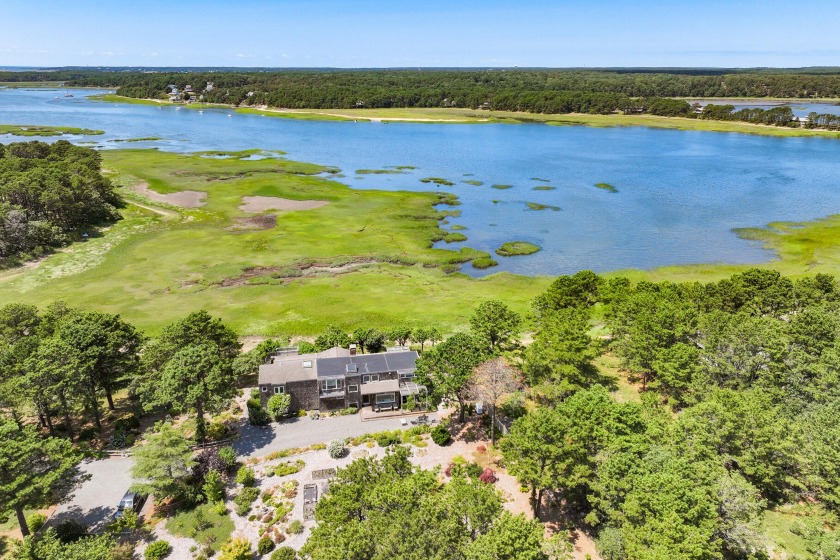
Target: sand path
{"type": "Point", "coordinates": [182, 199]}
{"type": "Point", "coordinates": [256, 204]}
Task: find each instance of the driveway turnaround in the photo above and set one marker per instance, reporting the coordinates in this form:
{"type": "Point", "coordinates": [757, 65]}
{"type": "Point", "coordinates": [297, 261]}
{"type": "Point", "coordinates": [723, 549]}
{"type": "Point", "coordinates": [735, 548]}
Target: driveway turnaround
{"type": "Point", "coordinates": [255, 441]}
{"type": "Point", "coordinates": [95, 502]}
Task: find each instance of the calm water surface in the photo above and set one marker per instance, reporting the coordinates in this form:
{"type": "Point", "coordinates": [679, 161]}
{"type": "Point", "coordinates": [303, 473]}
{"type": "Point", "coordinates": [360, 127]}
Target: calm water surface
{"type": "Point", "coordinates": [680, 193]}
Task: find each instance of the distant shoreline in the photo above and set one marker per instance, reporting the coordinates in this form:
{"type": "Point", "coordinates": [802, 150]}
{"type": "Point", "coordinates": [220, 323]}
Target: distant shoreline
{"type": "Point", "coordinates": [478, 116]}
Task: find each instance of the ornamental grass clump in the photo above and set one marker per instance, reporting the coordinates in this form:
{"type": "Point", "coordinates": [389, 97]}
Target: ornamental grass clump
{"type": "Point", "coordinates": [337, 449]}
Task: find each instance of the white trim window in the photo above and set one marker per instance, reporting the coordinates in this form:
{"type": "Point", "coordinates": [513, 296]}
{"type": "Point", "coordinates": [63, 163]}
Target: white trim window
{"type": "Point", "coordinates": [385, 398]}
{"type": "Point", "coordinates": [264, 388]}
{"type": "Point", "coordinates": [352, 388]}
{"type": "Point", "coordinates": [370, 378]}
{"type": "Point", "coordinates": [330, 384]}
{"type": "Point", "coordinates": [280, 390]}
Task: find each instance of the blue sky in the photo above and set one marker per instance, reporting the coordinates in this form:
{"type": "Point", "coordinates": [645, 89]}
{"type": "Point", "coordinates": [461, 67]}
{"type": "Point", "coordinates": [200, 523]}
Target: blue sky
{"type": "Point", "coordinates": [366, 33]}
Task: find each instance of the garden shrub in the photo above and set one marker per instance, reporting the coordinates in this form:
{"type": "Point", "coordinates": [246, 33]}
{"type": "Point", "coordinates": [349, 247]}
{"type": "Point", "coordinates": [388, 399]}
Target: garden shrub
{"type": "Point", "coordinates": [295, 527]}
{"type": "Point", "coordinates": [265, 545]}
{"type": "Point", "coordinates": [118, 440]}
{"type": "Point", "coordinates": [89, 433]}
{"type": "Point", "coordinates": [245, 476]}
{"type": "Point", "coordinates": [36, 521]}
{"type": "Point", "coordinates": [418, 430]}
{"type": "Point", "coordinates": [126, 522]}
{"type": "Point", "coordinates": [70, 530]}
{"type": "Point", "coordinates": [337, 449]}
{"type": "Point", "coordinates": [473, 470]}
{"type": "Point", "coordinates": [257, 416]}
{"type": "Point", "coordinates": [157, 550]}
{"type": "Point", "coordinates": [441, 435]}
{"type": "Point", "coordinates": [228, 456]}
{"type": "Point", "coordinates": [488, 476]}
{"type": "Point", "coordinates": [216, 431]}
{"type": "Point", "coordinates": [318, 446]}
{"type": "Point", "coordinates": [214, 486]}
{"type": "Point", "coordinates": [244, 500]}
{"type": "Point", "coordinates": [284, 553]}
{"type": "Point", "coordinates": [206, 461]}
{"type": "Point", "coordinates": [127, 423]}
{"type": "Point", "coordinates": [384, 439]}
{"type": "Point", "coordinates": [237, 549]}
{"type": "Point", "coordinates": [285, 469]}
{"type": "Point", "coordinates": [278, 405]}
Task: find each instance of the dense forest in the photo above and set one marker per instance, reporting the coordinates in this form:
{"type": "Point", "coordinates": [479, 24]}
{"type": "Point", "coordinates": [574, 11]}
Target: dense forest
{"type": "Point", "coordinates": [740, 400]}
{"type": "Point", "coordinates": [50, 193]}
{"type": "Point", "coordinates": [731, 412]}
{"type": "Point", "coordinates": [549, 91]}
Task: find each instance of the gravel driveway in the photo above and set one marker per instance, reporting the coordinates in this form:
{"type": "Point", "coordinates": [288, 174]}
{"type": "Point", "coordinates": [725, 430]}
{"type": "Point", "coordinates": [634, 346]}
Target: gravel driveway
{"type": "Point", "coordinates": [95, 501]}
{"type": "Point", "coordinates": [304, 431]}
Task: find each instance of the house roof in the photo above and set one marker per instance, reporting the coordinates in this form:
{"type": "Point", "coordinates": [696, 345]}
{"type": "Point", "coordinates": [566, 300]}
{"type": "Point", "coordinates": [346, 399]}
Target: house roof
{"type": "Point", "coordinates": [384, 362]}
{"type": "Point", "coordinates": [387, 386]}
{"type": "Point", "coordinates": [335, 362]}
{"type": "Point", "coordinates": [285, 368]}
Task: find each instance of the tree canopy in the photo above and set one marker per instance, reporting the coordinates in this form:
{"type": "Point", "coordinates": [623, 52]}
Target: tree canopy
{"type": "Point", "coordinates": [49, 195]}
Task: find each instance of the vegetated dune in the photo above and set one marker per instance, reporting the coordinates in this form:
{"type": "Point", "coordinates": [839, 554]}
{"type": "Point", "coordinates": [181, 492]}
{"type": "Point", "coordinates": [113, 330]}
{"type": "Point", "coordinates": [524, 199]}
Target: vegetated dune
{"type": "Point", "coordinates": [184, 199]}
{"type": "Point", "coordinates": [256, 204]}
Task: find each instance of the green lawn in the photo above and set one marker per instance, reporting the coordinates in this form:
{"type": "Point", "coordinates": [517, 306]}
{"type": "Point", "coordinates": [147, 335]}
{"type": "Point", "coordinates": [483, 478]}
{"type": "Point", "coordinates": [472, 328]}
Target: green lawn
{"type": "Point", "coordinates": [783, 529]}
{"type": "Point", "coordinates": [203, 525]}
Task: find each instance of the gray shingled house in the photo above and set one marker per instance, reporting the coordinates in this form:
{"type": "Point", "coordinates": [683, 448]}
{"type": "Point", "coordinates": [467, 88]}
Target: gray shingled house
{"type": "Point", "coordinates": [339, 378]}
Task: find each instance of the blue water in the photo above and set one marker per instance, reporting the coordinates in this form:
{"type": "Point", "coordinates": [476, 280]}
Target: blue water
{"type": "Point", "coordinates": [800, 109]}
{"type": "Point", "coordinates": [680, 193]}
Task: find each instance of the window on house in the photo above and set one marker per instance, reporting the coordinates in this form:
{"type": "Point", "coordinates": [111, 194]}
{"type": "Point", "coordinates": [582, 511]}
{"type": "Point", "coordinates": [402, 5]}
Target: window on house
{"type": "Point", "coordinates": [352, 388]}
{"type": "Point", "coordinates": [385, 398]}
{"type": "Point", "coordinates": [331, 384]}
{"type": "Point", "coordinates": [408, 375]}
{"type": "Point", "coordinates": [280, 389]}
{"type": "Point", "coordinates": [264, 389]}
{"type": "Point", "coordinates": [307, 363]}
{"type": "Point", "coordinates": [370, 378]}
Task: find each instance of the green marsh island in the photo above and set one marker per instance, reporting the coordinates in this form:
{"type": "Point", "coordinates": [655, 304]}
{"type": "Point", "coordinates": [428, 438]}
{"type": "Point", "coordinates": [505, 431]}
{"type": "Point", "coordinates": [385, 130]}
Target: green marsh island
{"type": "Point", "coordinates": [517, 248]}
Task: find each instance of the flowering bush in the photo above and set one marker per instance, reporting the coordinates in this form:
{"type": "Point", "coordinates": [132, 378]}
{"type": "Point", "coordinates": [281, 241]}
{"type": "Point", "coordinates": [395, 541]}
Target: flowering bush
{"type": "Point", "coordinates": [488, 476]}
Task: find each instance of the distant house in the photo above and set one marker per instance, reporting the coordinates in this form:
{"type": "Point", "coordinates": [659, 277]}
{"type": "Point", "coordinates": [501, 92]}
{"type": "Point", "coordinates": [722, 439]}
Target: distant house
{"type": "Point", "coordinates": [339, 378]}
{"type": "Point", "coordinates": [188, 88]}
{"type": "Point", "coordinates": [209, 86]}
{"type": "Point", "coordinates": [172, 89]}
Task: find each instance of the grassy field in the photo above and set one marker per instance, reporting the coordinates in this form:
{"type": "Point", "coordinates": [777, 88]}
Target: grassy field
{"type": "Point", "coordinates": [33, 130]}
{"type": "Point", "coordinates": [364, 258]}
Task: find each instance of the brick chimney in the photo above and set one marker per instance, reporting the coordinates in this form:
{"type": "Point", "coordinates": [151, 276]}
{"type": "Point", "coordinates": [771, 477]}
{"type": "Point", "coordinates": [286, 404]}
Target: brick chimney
{"type": "Point", "coordinates": [352, 349]}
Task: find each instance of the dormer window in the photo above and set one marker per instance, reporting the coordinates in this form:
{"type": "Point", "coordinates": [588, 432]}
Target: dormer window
{"type": "Point", "coordinates": [352, 368]}
{"type": "Point", "coordinates": [307, 363]}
